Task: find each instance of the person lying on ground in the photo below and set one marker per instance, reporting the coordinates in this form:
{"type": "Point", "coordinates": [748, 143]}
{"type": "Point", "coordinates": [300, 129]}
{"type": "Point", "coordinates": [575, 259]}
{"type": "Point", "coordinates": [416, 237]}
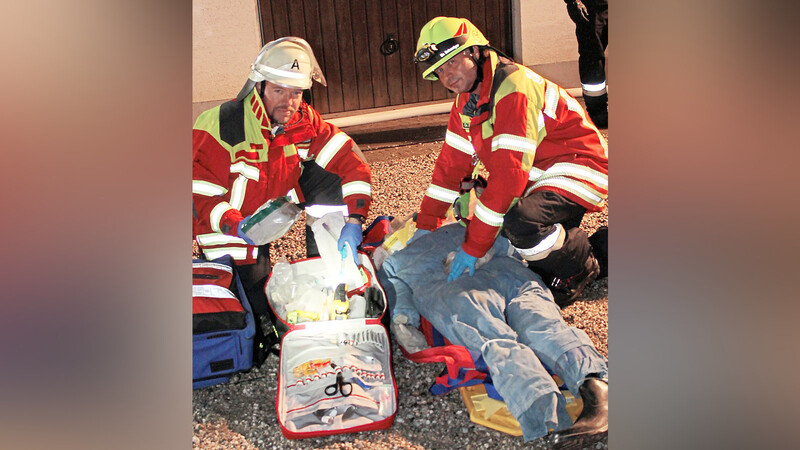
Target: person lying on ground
{"type": "Point", "coordinates": [505, 312]}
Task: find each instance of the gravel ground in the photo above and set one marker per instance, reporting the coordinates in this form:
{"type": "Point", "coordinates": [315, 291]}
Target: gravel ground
{"type": "Point", "coordinates": [241, 414]}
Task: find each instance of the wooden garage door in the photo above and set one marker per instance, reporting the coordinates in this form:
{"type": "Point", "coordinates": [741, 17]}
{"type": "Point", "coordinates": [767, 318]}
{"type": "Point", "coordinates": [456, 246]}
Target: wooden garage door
{"type": "Point", "coordinates": [366, 47]}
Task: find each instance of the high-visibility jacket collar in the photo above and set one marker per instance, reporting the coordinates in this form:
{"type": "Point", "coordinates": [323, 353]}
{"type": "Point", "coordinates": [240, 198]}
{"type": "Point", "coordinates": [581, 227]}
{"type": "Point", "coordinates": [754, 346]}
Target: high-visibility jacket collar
{"type": "Point", "coordinates": [298, 129]}
{"type": "Point", "coordinates": [485, 90]}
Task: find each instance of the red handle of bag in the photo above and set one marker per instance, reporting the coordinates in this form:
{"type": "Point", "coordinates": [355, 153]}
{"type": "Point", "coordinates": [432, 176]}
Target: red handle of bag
{"type": "Point", "coordinates": [361, 289]}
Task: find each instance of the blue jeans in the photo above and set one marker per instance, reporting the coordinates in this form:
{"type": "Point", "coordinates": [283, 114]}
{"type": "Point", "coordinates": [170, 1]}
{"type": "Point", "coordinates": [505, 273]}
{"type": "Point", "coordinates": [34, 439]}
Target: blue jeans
{"type": "Point", "coordinates": [505, 312]}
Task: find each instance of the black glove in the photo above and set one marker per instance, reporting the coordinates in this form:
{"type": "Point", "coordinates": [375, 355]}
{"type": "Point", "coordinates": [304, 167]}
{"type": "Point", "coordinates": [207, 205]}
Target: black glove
{"type": "Point", "coordinates": [577, 11]}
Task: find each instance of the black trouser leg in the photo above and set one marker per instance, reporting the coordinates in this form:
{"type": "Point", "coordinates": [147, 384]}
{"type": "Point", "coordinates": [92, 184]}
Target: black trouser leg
{"type": "Point", "coordinates": [319, 187]}
{"type": "Point", "coordinates": [311, 243]}
{"type": "Point", "coordinates": [254, 278]}
{"type": "Point", "coordinates": [535, 217]}
{"type": "Point", "coordinates": [592, 39]}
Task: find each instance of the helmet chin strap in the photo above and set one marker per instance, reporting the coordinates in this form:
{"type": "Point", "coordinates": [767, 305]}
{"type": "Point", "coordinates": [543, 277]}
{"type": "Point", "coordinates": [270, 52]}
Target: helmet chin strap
{"type": "Point", "coordinates": [479, 77]}
{"type": "Point", "coordinates": [479, 63]}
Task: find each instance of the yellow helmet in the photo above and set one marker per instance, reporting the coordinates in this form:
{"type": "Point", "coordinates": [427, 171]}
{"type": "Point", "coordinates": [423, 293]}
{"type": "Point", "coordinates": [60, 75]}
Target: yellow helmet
{"type": "Point", "coordinates": [441, 39]}
{"type": "Point", "coordinates": [287, 62]}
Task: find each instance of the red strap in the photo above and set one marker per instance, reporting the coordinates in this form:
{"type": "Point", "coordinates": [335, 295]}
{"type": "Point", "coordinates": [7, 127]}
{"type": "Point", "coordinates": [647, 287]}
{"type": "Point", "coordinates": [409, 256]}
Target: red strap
{"type": "Point", "coordinates": [460, 365]}
{"type": "Point", "coordinates": [376, 232]}
{"type": "Point", "coordinates": [361, 289]}
{"type": "Point", "coordinates": [454, 356]}
{"type": "Point", "coordinates": [432, 336]}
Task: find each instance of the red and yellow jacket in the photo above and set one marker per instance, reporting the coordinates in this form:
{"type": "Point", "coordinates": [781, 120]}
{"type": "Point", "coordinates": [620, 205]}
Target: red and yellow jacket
{"type": "Point", "coordinates": [238, 165]}
{"type": "Point", "coordinates": [531, 135]}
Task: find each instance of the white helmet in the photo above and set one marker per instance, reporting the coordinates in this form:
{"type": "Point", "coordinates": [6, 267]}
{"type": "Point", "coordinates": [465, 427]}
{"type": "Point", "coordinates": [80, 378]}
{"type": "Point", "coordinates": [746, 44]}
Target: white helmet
{"type": "Point", "coordinates": [288, 62]}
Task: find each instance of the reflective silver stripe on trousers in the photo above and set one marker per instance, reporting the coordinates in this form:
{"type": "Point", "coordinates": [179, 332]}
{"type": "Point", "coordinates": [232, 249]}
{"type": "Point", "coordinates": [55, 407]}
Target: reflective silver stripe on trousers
{"type": "Point", "coordinates": [594, 90]}
{"type": "Point", "coordinates": [552, 242]}
{"type": "Point", "coordinates": [320, 210]}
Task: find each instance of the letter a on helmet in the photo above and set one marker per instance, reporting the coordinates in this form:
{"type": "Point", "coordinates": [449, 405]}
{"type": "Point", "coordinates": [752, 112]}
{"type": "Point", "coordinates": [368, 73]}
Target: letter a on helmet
{"type": "Point", "coordinates": [288, 62]}
{"type": "Point", "coordinates": [441, 39]}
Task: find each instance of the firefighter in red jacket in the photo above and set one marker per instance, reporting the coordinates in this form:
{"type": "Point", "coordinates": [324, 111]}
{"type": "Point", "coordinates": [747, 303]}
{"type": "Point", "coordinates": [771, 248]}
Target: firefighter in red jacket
{"type": "Point", "coordinates": [547, 164]}
{"type": "Point", "coordinates": [269, 143]}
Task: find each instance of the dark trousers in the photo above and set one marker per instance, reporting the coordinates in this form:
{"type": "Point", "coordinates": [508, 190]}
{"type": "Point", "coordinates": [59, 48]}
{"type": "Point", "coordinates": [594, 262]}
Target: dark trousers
{"type": "Point", "coordinates": [254, 278]}
{"type": "Point", "coordinates": [592, 42]}
{"type": "Point", "coordinates": [319, 187]}
{"type": "Point", "coordinates": [534, 217]}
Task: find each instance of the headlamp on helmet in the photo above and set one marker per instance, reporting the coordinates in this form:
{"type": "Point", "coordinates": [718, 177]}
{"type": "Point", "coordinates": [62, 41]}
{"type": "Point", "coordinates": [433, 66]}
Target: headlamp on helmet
{"type": "Point", "coordinates": [430, 54]}
{"type": "Point", "coordinates": [441, 39]}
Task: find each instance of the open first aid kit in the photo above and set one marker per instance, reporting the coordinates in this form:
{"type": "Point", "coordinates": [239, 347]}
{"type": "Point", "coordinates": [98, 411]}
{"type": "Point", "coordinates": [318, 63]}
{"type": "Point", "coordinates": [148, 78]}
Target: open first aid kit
{"type": "Point", "coordinates": [335, 372]}
{"type": "Point", "coordinates": [223, 327]}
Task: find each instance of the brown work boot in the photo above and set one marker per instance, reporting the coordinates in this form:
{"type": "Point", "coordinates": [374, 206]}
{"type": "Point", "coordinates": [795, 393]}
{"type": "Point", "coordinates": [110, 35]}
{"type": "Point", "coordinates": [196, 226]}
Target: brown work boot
{"type": "Point", "coordinates": [565, 291]}
{"type": "Point", "coordinates": [592, 423]}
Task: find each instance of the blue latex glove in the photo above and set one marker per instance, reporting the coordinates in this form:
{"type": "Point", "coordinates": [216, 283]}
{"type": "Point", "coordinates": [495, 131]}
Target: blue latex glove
{"type": "Point", "coordinates": [418, 234]}
{"type": "Point", "coordinates": [461, 262]}
{"type": "Point", "coordinates": [351, 235]}
{"type": "Point", "coordinates": [241, 233]}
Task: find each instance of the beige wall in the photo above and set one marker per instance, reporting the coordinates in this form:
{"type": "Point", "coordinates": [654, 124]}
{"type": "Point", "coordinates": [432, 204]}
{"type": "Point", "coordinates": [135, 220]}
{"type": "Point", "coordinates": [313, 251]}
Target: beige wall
{"type": "Point", "coordinates": [546, 36]}
{"type": "Point", "coordinates": [546, 33]}
{"type": "Point", "coordinates": [226, 37]}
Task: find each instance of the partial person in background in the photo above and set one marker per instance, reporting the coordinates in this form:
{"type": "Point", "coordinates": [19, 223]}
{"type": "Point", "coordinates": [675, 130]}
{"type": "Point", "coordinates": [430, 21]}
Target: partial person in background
{"type": "Point", "coordinates": [265, 144]}
{"type": "Point", "coordinates": [547, 162]}
{"type": "Point", "coordinates": [591, 29]}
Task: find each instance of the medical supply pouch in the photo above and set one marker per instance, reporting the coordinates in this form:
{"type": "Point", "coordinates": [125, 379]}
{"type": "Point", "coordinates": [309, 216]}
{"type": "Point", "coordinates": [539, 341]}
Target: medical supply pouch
{"type": "Point", "coordinates": [335, 377]}
{"type": "Point", "coordinates": [304, 291]}
{"type": "Point", "coordinates": [222, 323]}
{"type": "Point", "coordinates": [271, 220]}
{"type": "Point", "coordinates": [335, 372]}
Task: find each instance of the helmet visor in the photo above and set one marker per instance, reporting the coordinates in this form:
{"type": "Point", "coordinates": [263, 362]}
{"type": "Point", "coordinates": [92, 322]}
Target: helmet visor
{"type": "Point", "coordinates": [431, 54]}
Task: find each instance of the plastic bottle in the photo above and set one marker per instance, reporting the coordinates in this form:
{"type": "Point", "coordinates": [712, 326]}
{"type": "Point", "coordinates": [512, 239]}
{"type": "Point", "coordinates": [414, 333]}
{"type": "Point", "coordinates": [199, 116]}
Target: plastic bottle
{"type": "Point", "coordinates": [341, 305]}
